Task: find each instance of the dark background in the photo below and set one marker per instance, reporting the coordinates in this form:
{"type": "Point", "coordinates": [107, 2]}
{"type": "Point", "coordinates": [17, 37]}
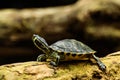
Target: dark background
{"type": "Point", "coordinates": [33, 3]}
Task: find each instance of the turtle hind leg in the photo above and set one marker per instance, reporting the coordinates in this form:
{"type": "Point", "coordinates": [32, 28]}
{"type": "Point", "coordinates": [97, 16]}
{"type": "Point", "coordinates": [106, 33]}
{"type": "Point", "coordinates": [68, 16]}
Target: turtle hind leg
{"type": "Point", "coordinates": [100, 64]}
{"type": "Point", "coordinates": [41, 58]}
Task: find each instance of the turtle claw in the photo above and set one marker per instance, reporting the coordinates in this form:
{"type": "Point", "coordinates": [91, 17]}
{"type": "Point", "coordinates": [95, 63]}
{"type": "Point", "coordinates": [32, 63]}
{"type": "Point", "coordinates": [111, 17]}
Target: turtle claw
{"type": "Point", "coordinates": [102, 67]}
{"type": "Point", "coordinates": [53, 63]}
{"type": "Point", "coordinates": [41, 58]}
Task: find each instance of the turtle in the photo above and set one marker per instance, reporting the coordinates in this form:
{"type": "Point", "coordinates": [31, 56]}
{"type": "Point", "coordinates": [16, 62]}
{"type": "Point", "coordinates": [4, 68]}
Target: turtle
{"type": "Point", "coordinates": [65, 50]}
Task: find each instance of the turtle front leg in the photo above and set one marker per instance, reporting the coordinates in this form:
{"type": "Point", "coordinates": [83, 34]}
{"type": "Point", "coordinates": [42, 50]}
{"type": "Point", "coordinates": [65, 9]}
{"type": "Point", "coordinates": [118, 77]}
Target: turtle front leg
{"type": "Point", "coordinates": [100, 64]}
{"type": "Point", "coordinates": [56, 62]}
{"type": "Point", "coordinates": [41, 58]}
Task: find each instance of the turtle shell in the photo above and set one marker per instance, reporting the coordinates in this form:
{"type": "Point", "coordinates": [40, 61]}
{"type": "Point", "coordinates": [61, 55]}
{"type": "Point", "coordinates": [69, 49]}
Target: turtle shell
{"type": "Point", "coordinates": [72, 46]}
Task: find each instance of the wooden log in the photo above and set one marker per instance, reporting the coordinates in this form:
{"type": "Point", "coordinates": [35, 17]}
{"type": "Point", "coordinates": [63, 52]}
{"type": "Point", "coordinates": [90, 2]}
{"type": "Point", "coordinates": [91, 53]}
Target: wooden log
{"type": "Point", "coordinates": [75, 70]}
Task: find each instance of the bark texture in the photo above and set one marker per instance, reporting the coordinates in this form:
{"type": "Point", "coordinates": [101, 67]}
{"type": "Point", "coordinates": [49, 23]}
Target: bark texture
{"type": "Point", "coordinates": [95, 21]}
{"type": "Point", "coordinates": [75, 70]}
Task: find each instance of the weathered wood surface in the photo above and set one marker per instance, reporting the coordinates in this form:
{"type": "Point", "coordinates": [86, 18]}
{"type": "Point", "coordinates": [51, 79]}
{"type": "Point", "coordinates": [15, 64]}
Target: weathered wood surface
{"type": "Point", "coordinates": [78, 70]}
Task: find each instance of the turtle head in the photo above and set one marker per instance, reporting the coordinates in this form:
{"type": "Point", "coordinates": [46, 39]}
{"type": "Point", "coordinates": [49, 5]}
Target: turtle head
{"type": "Point", "coordinates": [40, 43]}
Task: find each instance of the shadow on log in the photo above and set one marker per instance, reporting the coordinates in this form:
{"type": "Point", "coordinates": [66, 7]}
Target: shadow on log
{"type": "Point", "coordinates": [77, 70]}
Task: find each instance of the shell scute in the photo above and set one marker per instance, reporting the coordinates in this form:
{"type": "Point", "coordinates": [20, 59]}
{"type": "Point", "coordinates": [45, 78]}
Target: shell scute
{"type": "Point", "coordinates": [72, 46]}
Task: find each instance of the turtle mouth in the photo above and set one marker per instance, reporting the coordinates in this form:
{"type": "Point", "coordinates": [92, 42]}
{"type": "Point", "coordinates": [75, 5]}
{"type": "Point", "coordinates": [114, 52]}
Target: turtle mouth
{"type": "Point", "coordinates": [35, 37]}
